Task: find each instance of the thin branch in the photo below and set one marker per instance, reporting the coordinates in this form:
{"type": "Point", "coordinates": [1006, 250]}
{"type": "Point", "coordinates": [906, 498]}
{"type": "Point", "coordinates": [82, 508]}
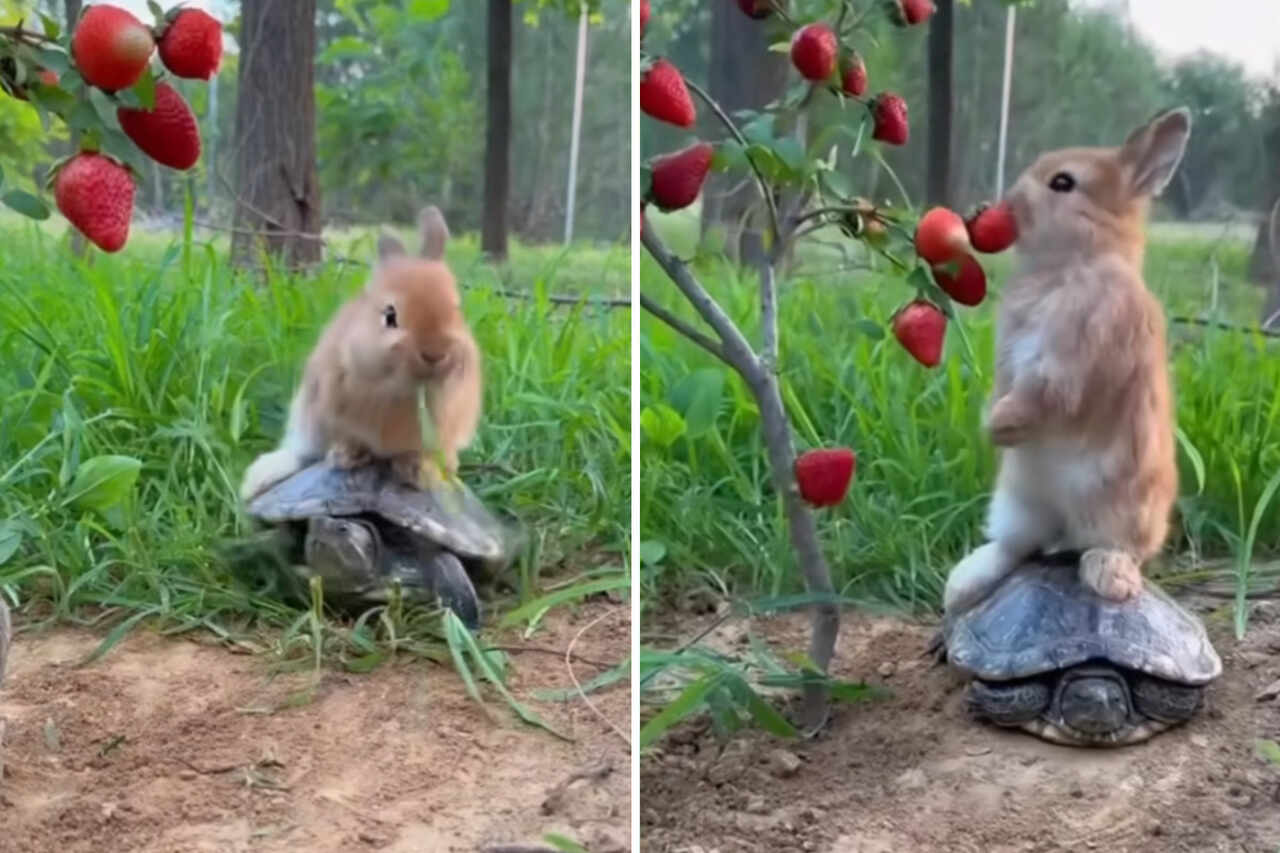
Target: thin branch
{"type": "Point", "coordinates": [20, 33]}
{"type": "Point", "coordinates": [742, 140]}
{"type": "Point", "coordinates": [1218, 324]}
{"type": "Point", "coordinates": [683, 328]}
{"type": "Point", "coordinates": [769, 318]}
{"type": "Point", "coordinates": [547, 651]}
{"type": "Point", "coordinates": [582, 694]}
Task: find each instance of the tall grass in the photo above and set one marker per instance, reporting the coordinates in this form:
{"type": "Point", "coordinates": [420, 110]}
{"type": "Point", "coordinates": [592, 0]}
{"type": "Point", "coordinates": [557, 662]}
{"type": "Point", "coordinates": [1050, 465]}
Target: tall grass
{"type": "Point", "coordinates": [165, 355]}
{"type": "Point", "coordinates": [925, 467]}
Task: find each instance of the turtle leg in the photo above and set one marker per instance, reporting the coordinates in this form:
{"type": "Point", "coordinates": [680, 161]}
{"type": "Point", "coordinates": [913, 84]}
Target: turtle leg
{"type": "Point", "coordinates": [1166, 701]}
{"type": "Point", "coordinates": [1111, 573]}
{"type": "Point", "coordinates": [447, 579]}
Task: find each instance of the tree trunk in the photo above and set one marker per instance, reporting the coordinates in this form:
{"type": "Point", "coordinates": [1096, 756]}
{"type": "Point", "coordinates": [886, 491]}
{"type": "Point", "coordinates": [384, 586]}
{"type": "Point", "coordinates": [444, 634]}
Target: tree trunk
{"type": "Point", "coordinates": [72, 8]}
{"type": "Point", "coordinates": [743, 75]}
{"type": "Point", "coordinates": [1264, 266]}
{"type": "Point", "coordinates": [277, 204]}
{"type": "Point", "coordinates": [941, 29]}
{"type": "Point", "coordinates": [497, 137]}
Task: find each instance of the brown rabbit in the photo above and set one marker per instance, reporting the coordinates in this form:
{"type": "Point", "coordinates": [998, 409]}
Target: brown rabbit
{"type": "Point", "coordinates": [403, 333]}
{"type": "Point", "coordinates": [1082, 405]}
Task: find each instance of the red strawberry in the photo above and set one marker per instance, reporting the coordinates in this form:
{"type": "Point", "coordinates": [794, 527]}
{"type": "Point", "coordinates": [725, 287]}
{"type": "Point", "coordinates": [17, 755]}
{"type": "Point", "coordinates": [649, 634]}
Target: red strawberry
{"type": "Point", "coordinates": [757, 9]}
{"type": "Point", "coordinates": [191, 45]}
{"type": "Point", "coordinates": [95, 194]}
{"type": "Point", "coordinates": [941, 236]}
{"type": "Point", "coordinates": [890, 113]}
{"type": "Point", "coordinates": [664, 96]}
{"type": "Point", "coordinates": [920, 327]}
{"type": "Point", "coordinates": [906, 13]}
{"type": "Point", "coordinates": [44, 75]}
{"type": "Point", "coordinates": [644, 16]}
{"type": "Point", "coordinates": [824, 475]}
{"type": "Point", "coordinates": [992, 229]}
{"type": "Point", "coordinates": [853, 75]}
{"type": "Point", "coordinates": [167, 134]}
{"type": "Point", "coordinates": [678, 177]}
{"type": "Point", "coordinates": [968, 286]}
{"type": "Point", "coordinates": [111, 47]}
{"type": "Point", "coordinates": [813, 51]}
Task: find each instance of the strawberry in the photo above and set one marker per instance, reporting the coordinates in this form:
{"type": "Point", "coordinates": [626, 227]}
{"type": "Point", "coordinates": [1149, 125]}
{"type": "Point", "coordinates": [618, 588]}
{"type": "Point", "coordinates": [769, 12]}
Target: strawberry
{"type": "Point", "coordinates": [44, 75]}
{"type": "Point", "coordinates": [824, 475]}
{"type": "Point", "coordinates": [906, 13]}
{"type": "Point", "coordinates": [678, 177]}
{"type": "Point", "coordinates": [941, 236]}
{"type": "Point", "coordinates": [111, 47]}
{"type": "Point", "coordinates": [191, 45]}
{"type": "Point", "coordinates": [167, 134]}
{"type": "Point", "coordinates": [853, 75]}
{"type": "Point", "coordinates": [95, 194]}
{"type": "Point", "coordinates": [664, 96]}
{"type": "Point", "coordinates": [968, 285]}
{"type": "Point", "coordinates": [644, 16]}
{"type": "Point", "coordinates": [920, 327]}
{"type": "Point", "coordinates": [757, 9]}
{"type": "Point", "coordinates": [992, 228]}
{"type": "Point", "coordinates": [813, 51]}
{"type": "Point", "coordinates": [890, 114]}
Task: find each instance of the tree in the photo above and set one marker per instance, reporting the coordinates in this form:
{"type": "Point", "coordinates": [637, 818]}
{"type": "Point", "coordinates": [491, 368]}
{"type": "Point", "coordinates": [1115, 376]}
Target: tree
{"type": "Point", "coordinates": [277, 204]}
{"type": "Point", "coordinates": [497, 134]}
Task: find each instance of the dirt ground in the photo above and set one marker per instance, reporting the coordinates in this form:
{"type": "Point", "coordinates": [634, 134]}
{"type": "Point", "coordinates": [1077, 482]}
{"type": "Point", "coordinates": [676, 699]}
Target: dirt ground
{"type": "Point", "coordinates": [912, 772]}
{"type": "Point", "coordinates": [170, 745]}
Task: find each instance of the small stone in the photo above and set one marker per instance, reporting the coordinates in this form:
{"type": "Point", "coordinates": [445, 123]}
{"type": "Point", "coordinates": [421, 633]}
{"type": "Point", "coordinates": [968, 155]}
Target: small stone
{"type": "Point", "coordinates": [108, 810]}
{"type": "Point", "coordinates": [784, 764]}
{"type": "Point", "coordinates": [1077, 792]}
{"type": "Point", "coordinates": [1199, 741]}
{"type": "Point", "coordinates": [887, 669]}
{"type": "Point", "coordinates": [1271, 691]}
{"type": "Point", "coordinates": [976, 750]}
{"type": "Point", "coordinates": [186, 775]}
{"type": "Point", "coordinates": [757, 805]}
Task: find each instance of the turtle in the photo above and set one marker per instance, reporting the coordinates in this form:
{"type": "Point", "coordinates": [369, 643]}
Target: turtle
{"type": "Point", "coordinates": [362, 529]}
{"type": "Point", "coordinates": [1050, 656]}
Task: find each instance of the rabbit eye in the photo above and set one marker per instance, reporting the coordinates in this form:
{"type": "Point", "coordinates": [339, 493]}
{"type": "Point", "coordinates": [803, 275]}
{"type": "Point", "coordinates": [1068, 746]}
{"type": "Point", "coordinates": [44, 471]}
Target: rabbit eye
{"type": "Point", "coordinates": [389, 316]}
{"type": "Point", "coordinates": [1062, 183]}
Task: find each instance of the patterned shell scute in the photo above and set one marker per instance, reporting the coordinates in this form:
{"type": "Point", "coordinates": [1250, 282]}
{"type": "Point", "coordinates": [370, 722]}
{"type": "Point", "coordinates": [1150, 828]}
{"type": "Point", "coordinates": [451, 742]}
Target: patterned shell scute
{"type": "Point", "coordinates": [1042, 619]}
{"type": "Point", "coordinates": [448, 514]}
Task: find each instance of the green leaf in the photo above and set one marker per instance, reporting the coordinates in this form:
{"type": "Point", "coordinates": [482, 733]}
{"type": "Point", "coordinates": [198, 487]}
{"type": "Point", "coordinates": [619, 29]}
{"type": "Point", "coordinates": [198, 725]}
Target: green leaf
{"type": "Point", "coordinates": [26, 204]}
{"type": "Point", "coordinates": [10, 540]}
{"type": "Point", "coordinates": [145, 89]}
{"type": "Point", "coordinates": [52, 28]}
{"type": "Point", "coordinates": [682, 706]}
{"type": "Point", "coordinates": [661, 424]}
{"type": "Point", "coordinates": [870, 328]}
{"type": "Point", "coordinates": [698, 397]}
{"type": "Point", "coordinates": [427, 10]}
{"type": "Point", "coordinates": [1193, 455]}
{"type": "Point", "coordinates": [561, 596]}
{"type": "Point", "coordinates": [1269, 750]}
{"type": "Point", "coordinates": [567, 845]}
{"type": "Point", "coordinates": [103, 481]}
{"type": "Point", "coordinates": [651, 552]}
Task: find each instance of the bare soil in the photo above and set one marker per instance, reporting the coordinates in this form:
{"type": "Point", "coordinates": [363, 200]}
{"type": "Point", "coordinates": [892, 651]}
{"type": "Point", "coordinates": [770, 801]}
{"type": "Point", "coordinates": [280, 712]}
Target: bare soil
{"type": "Point", "coordinates": [171, 745]}
{"type": "Point", "coordinates": [913, 772]}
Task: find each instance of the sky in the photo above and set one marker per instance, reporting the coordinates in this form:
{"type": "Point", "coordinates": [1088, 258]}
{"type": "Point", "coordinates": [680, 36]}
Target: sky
{"type": "Point", "coordinates": [1247, 31]}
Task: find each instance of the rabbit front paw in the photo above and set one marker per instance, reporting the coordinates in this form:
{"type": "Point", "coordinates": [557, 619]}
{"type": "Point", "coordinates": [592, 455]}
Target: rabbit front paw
{"type": "Point", "coordinates": [1112, 574]}
{"type": "Point", "coordinates": [1010, 422]}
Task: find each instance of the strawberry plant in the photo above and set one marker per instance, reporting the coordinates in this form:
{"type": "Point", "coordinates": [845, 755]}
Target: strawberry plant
{"type": "Point", "coordinates": [100, 80]}
{"type": "Point", "coordinates": [801, 189]}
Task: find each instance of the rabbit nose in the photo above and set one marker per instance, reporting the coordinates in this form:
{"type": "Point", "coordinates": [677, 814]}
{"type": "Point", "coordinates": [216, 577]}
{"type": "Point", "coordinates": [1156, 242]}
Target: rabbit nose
{"type": "Point", "coordinates": [432, 358]}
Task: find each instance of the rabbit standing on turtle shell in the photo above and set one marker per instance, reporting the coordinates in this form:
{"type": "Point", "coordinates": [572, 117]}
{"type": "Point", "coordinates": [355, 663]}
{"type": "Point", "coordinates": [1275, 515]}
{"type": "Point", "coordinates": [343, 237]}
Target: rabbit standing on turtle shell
{"type": "Point", "coordinates": [403, 333]}
{"type": "Point", "coordinates": [1082, 405]}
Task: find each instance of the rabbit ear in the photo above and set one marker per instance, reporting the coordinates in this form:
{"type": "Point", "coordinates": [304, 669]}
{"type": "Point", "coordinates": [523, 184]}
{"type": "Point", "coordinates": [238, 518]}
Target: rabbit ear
{"type": "Point", "coordinates": [1155, 150]}
{"type": "Point", "coordinates": [435, 233]}
{"type": "Point", "coordinates": [389, 247]}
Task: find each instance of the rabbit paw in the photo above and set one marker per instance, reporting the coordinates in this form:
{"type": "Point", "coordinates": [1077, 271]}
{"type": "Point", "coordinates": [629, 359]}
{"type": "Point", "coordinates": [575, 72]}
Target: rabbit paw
{"type": "Point", "coordinates": [1010, 422]}
{"type": "Point", "coordinates": [1110, 573]}
{"type": "Point", "coordinates": [347, 455]}
{"type": "Point", "coordinates": [409, 468]}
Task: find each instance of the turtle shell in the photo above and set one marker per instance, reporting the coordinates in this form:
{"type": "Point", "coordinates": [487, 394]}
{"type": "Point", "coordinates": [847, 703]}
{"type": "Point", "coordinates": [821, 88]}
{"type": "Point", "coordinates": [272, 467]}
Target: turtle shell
{"type": "Point", "coordinates": [1041, 619]}
{"type": "Point", "coordinates": [448, 514]}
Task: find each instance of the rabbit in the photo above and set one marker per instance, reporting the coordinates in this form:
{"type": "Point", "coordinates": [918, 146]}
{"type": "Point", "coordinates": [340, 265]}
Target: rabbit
{"type": "Point", "coordinates": [359, 397]}
{"type": "Point", "coordinates": [1082, 407]}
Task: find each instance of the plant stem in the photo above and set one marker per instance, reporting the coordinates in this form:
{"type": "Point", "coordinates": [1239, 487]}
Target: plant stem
{"type": "Point", "coordinates": [682, 327]}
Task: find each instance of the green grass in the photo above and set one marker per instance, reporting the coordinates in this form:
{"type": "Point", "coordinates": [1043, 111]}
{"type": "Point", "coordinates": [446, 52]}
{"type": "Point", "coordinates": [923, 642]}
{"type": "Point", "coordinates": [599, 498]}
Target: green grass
{"type": "Point", "coordinates": [179, 369]}
{"type": "Point", "coordinates": [925, 470]}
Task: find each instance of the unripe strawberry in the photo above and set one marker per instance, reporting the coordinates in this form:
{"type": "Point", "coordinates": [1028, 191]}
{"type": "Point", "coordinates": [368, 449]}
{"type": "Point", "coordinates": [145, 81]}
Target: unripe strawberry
{"type": "Point", "coordinates": [95, 194]}
{"type": "Point", "coordinates": [941, 236]}
{"type": "Point", "coordinates": [824, 475]}
{"type": "Point", "coordinates": [906, 13]}
{"type": "Point", "coordinates": [968, 285]}
{"type": "Point", "coordinates": [853, 75]}
{"type": "Point", "coordinates": [890, 114]}
{"type": "Point", "coordinates": [191, 45]}
{"type": "Point", "coordinates": [993, 229]}
{"type": "Point", "coordinates": [111, 47]}
{"type": "Point", "coordinates": [168, 133]}
{"type": "Point", "coordinates": [813, 51]}
{"type": "Point", "coordinates": [920, 327]}
{"type": "Point", "coordinates": [664, 95]}
{"type": "Point", "coordinates": [678, 177]}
